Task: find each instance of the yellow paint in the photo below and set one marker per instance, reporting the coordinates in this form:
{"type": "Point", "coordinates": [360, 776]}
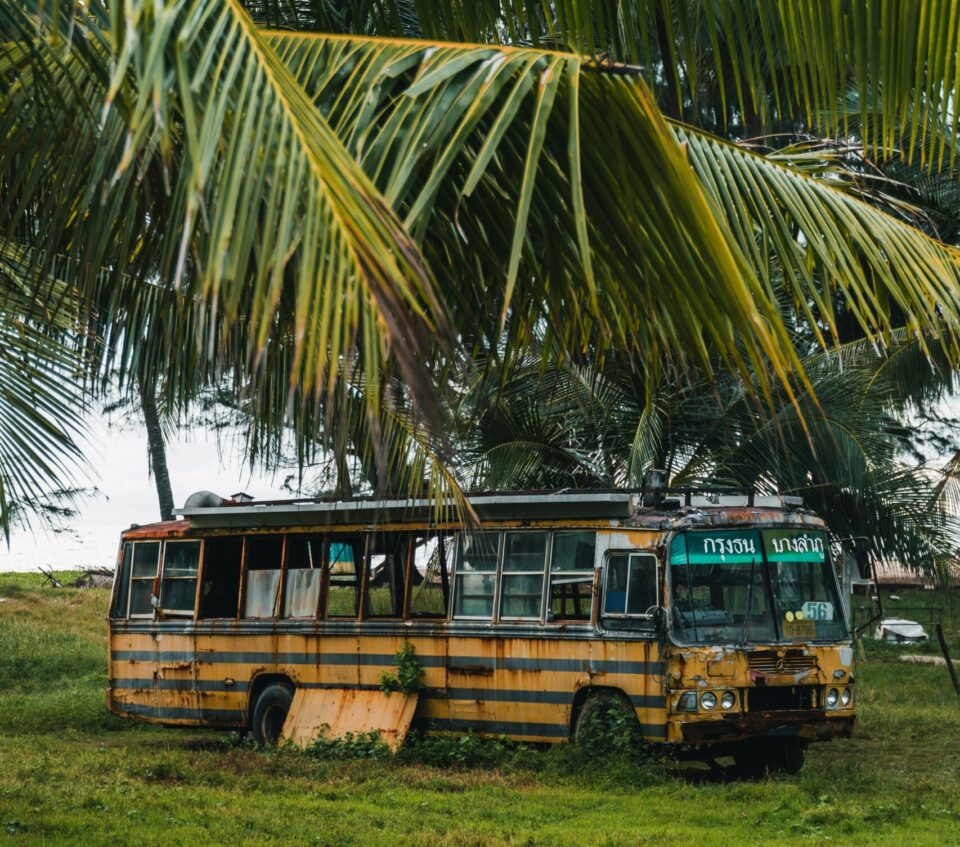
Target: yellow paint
{"type": "Point", "coordinates": [335, 712]}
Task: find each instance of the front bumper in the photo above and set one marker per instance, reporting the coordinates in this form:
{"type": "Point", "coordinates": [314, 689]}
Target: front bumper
{"type": "Point", "coordinates": [809, 724]}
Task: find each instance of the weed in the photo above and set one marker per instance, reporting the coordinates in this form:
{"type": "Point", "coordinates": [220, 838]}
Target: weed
{"type": "Point", "coordinates": [409, 670]}
{"type": "Point", "coordinates": [350, 745]}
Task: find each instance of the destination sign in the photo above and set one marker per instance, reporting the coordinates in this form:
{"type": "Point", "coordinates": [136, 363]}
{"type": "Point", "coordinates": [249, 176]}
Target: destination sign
{"type": "Point", "coordinates": [795, 545]}
{"type": "Point", "coordinates": [712, 547]}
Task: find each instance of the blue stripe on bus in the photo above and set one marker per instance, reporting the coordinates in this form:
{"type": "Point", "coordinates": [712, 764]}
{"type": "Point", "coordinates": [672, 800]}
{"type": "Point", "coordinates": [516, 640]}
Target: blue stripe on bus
{"type": "Point", "coordinates": [181, 713]}
{"type": "Point", "coordinates": [521, 728]}
{"type": "Point", "coordinates": [499, 695]}
{"type": "Point", "coordinates": [612, 666]}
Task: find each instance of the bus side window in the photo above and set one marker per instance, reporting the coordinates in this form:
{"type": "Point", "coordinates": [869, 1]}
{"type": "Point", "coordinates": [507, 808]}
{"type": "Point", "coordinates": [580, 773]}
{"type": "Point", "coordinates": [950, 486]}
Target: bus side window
{"type": "Point", "coordinates": [146, 557]}
{"type": "Point", "coordinates": [571, 576]}
{"type": "Point", "coordinates": [521, 582]}
{"type": "Point", "coordinates": [630, 591]}
{"type": "Point", "coordinates": [264, 555]}
{"type": "Point", "coordinates": [385, 579]}
{"type": "Point", "coordinates": [220, 588]}
{"type": "Point", "coordinates": [430, 575]}
{"type": "Point", "coordinates": [304, 572]}
{"type": "Point", "coordinates": [178, 581]}
{"type": "Point", "coordinates": [123, 583]}
{"type": "Point", "coordinates": [345, 559]}
{"type": "Point", "coordinates": [476, 575]}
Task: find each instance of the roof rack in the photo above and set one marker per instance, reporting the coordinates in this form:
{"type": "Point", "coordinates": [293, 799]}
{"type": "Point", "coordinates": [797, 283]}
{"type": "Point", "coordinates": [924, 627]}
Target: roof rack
{"type": "Point", "coordinates": [207, 510]}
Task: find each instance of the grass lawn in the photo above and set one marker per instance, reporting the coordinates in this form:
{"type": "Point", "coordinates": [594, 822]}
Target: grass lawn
{"type": "Point", "coordinates": [70, 773]}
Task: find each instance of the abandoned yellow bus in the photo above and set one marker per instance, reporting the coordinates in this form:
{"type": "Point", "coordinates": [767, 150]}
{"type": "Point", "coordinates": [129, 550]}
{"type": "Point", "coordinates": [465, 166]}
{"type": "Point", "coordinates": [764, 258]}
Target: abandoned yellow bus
{"type": "Point", "coordinates": [715, 620]}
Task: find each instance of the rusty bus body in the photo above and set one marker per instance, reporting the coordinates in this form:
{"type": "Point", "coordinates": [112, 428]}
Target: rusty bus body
{"type": "Point", "coordinates": [681, 612]}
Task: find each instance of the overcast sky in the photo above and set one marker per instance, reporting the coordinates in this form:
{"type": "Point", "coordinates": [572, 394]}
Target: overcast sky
{"type": "Point", "coordinates": [119, 468]}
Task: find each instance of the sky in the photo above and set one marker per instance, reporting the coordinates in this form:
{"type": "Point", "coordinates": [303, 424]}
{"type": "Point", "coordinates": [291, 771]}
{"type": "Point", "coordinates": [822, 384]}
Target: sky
{"type": "Point", "coordinates": [119, 468]}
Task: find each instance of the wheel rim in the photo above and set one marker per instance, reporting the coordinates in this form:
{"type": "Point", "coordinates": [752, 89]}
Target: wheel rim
{"type": "Point", "coordinates": [271, 726]}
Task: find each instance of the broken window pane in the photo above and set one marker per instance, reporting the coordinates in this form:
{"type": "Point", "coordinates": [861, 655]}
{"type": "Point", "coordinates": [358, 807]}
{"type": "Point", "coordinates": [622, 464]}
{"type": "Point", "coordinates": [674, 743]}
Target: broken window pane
{"type": "Point", "coordinates": [343, 593]}
{"type": "Point", "coordinates": [220, 591]}
{"type": "Point", "coordinates": [385, 582]}
{"type": "Point", "coordinates": [432, 575]}
{"type": "Point", "coordinates": [301, 592]}
{"type": "Point", "coordinates": [571, 597]}
{"type": "Point", "coordinates": [571, 576]}
{"type": "Point", "coordinates": [264, 555]}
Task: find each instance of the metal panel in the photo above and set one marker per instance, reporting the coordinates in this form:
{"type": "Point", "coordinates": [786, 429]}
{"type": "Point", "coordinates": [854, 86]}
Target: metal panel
{"type": "Point", "coordinates": [488, 507]}
{"type": "Point", "coordinates": [333, 712]}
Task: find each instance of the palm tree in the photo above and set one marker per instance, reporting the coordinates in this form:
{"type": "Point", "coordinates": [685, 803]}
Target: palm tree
{"type": "Point", "coordinates": [846, 452]}
{"type": "Point", "coordinates": [339, 221]}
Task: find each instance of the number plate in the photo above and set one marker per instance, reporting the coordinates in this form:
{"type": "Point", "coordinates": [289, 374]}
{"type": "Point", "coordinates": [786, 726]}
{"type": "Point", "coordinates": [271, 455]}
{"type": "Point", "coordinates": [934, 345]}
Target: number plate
{"type": "Point", "coordinates": [799, 629]}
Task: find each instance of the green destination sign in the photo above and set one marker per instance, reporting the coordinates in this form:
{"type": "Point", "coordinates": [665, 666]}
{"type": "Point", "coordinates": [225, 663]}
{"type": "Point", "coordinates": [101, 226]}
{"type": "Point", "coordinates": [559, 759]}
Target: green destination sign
{"type": "Point", "coordinates": [728, 547]}
{"type": "Point", "coordinates": [795, 545]}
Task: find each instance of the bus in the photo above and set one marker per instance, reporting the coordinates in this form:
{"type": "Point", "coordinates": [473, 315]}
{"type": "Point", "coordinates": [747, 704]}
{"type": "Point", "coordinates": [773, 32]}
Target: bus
{"type": "Point", "coordinates": [713, 620]}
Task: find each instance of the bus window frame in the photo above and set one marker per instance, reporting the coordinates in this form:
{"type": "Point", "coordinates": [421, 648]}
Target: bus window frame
{"type": "Point", "coordinates": [494, 616]}
{"type": "Point", "coordinates": [118, 583]}
{"type": "Point", "coordinates": [152, 614]}
{"type": "Point", "coordinates": [323, 611]}
{"type": "Point", "coordinates": [594, 571]}
{"type": "Point", "coordinates": [658, 575]}
{"type": "Point", "coordinates": [544, 574]}
{"type": "Point", "coordinates": [370, 543]}
{"type": "Point", "coordinates": [163, 613]}
{"type": "Point", "coordinates": [309, 537]}
{"type": "Point", "coordinates": [244, 570]}
{"type": "Point", "coordinates": [426, 533]}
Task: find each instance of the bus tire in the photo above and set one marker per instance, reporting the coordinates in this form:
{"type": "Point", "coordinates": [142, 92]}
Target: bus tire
{"type": "Point", "coordinates": [603, 712]}
{"type": "Point", "coordinates": [270, 713]}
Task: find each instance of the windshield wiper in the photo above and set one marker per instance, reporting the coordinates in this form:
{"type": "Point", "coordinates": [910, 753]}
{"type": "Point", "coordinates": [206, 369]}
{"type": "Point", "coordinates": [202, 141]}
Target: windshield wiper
{"type": "Point", "coordinates": [746, 618]}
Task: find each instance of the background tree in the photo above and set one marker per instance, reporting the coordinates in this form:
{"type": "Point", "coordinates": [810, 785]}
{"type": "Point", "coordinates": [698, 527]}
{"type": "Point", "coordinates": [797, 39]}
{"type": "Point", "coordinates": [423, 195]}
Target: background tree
{"type": "Point", "coordinates": [289, 208]}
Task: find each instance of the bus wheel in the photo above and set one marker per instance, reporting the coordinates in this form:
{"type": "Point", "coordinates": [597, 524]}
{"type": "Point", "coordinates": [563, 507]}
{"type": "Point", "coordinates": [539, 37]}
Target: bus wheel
{"type": "Point", "coordinates": [756, 759]}
{"type": "Point", "coordinates": [270, 713]}
{"type": "Point", "coordinates": [603, 717]}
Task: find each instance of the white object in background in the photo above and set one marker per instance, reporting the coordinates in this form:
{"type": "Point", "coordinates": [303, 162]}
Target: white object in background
{"type": "Point", "coordinates": [900, 631]}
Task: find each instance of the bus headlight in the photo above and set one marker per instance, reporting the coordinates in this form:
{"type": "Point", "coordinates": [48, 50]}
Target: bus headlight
{"type": "Point", "coordinates": [687, 702]}
{"type": "Point", "coordinates": [833, 697]}
{"type": "Point", "coordinates": [728, 700]}
{"type": "Point", "coordinates": [708, 700]}
{"type": "Point", "coordinates": [846, 697]}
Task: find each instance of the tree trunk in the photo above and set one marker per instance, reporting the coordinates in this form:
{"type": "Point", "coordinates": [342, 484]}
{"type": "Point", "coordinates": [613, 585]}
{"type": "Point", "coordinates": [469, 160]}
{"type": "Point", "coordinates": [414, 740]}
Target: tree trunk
{"type": "Point", "coordinates": [157, 449]}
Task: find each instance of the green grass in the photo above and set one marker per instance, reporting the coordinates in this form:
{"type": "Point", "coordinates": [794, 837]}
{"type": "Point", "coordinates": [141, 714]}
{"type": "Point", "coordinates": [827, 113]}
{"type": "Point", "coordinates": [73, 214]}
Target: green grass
{"type": "Point", "coordinates": [72, 774]}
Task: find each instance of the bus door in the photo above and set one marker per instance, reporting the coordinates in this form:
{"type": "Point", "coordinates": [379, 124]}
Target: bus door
{"type": "Point", "coordinates": [175, 676]}
{"type": "Point", "coordinates": [629, 617]}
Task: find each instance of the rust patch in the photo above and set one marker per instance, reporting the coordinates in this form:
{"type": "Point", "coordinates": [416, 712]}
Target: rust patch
{"type": "Point", "coordinates": [337, 711]}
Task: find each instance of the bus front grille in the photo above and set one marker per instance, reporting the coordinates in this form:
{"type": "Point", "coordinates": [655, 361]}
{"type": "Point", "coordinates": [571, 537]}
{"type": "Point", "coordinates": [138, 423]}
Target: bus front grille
{"type": "Point", "coordinates": [772, 663]}
{"type": "Point", "coordinates": [780, 698]}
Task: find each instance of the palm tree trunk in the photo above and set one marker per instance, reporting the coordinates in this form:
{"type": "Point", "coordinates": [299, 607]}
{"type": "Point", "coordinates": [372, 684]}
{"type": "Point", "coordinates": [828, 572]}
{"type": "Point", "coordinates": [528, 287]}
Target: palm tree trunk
{"type": "Point", "coordinates": [157, 449]}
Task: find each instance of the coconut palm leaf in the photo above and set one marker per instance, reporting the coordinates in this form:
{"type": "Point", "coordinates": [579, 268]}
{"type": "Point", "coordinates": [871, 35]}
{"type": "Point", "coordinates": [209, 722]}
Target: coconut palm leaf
{"type": "Point", "coordinates": [185, 115]}
{"type": "Point", "coordinates": [755, 62]}
{"type": "Point", "coordinates": [41, 404]}
{"type": "Point", "coordinates": [819, 239]}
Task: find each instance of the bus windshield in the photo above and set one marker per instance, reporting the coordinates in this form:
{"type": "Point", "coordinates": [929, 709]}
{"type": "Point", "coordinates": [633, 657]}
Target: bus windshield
{"type": "Point", "coordinates": [753, 586]}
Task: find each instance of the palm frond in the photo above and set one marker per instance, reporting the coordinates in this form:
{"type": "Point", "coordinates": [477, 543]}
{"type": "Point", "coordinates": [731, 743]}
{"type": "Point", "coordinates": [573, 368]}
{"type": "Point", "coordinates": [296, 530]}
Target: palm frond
{"type": "Point", "coordinates": [42, 427]}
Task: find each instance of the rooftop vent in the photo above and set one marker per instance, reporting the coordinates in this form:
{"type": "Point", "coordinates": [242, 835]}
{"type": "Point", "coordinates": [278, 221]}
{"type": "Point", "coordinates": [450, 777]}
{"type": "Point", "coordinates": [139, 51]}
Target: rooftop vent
{"type": "Point", "coordinates": [203, 500]}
